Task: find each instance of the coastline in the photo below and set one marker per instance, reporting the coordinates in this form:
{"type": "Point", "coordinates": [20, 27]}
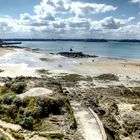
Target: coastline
{"type": "Point", "coordinates": [107, 85]}
{"type": "Point", "coordinates": [86, 66]}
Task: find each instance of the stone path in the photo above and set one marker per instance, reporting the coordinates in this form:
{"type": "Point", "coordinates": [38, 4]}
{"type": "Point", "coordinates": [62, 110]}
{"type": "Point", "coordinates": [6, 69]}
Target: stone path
{"type": "Point", "coordinates": [89, 124]}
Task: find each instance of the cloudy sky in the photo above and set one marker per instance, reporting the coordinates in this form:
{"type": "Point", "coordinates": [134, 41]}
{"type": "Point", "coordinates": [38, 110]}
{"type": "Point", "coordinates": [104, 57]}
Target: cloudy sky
{"type": "Point", "coordinates": [114, 19]}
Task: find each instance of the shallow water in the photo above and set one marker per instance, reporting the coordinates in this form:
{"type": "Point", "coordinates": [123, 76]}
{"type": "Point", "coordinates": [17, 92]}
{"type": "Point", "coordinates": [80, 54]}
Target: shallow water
{"type": "Point", "coordinates": [111, 49]}
{"type": "Point", "coordinates": [32, 60]}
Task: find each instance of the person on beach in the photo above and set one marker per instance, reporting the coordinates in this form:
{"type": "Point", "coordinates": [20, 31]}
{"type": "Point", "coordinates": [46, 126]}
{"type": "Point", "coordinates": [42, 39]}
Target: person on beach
{"type": "Point", "coordinates": [71, 50]}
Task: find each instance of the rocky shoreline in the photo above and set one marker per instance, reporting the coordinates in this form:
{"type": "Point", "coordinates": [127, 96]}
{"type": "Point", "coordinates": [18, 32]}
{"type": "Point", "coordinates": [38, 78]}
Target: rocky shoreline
{"type": "Point", "coordinates": [40, 105]}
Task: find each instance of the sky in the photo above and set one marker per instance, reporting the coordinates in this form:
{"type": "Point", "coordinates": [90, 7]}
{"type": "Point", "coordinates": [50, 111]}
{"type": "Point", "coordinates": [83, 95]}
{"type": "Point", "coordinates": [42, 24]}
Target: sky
{"type": "Point", "coordinates": [103, 19]}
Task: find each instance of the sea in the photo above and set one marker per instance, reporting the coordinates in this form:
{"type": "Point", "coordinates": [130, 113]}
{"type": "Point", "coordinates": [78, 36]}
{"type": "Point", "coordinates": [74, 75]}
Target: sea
{"type": "Point", "coordinates": [122, 50]}
{"type": "Point", "coordinates": [30, 60]}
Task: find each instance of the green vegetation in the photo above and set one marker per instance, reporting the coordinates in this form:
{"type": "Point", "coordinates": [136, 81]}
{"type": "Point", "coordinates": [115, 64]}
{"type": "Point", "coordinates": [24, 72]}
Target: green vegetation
{"type": "Point", "coordinates": [43, 71]}
{"type": "Point", "coordinates": [18, 87]}
{"type": "Point", "coordinates": [71, 116]}
{"type": "Point", "coordinates": [17, 136]}
{"type": "Point", "coordinates": [110, 77]}
{"type": "Point", "coordinates": [72, 79]}
{"type": "Point", "coordinates": [28, 111]}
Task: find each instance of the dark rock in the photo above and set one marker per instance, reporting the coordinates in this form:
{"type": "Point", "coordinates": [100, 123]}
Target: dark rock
{"type": "Point", "coordinates": [76, 55]}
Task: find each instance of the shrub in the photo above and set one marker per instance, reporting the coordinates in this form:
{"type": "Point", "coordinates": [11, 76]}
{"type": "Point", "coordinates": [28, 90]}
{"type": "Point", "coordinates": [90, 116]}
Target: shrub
{"type": "Point", "coordinates": [4, 89]}
{"type": "Point", "coordinates": [26, 101]}
{"type": "Point", "coordinates": [1, 100]}
{"type": "Point", "coordinates": [72, 78]}
{"type": "Point", "coordinates": [18, 87]}
{"type": "Point", "coordinates": [37, 112]}
{"type": "Point", "coordinates": [27, 123]}
{"type": "Point", "coordinates": [108, 76]}
{"type": "Point", "coordinates": [17, 101]}
{"type": "Point", "coordinates": [8, 84]}
{"type": "Point", "coordinates": [2, 109]}
{"type": "Point", "coordinates": [12, 110]}
{"type": "Point", "coordinates": [40, 101]}
{"type": "Point", "coordinates": [28, 113]}
{"type": "Point", "coordinates": [21, 110]}
{"type": "Point", "coordinates": [43, 71]}
{"type": "Point", "coordinates": [8, 98]}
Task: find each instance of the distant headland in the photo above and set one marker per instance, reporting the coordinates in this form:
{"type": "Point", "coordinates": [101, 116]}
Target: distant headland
{"type": "Point", "coordinates": [75, 40]}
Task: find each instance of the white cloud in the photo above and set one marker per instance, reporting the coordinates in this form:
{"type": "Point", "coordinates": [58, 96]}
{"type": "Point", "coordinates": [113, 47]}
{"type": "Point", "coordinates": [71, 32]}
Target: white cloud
{"type": "Point", "coordinates": [68, 6]}
{"type": "Point", "coordinates": [113, 23]}
{"type": "Point", "coordinates": [86, 9]}
{"type": "Point", "coordinates": [135, 1]}
{"type": "Point", "coordinates": [68, 19]}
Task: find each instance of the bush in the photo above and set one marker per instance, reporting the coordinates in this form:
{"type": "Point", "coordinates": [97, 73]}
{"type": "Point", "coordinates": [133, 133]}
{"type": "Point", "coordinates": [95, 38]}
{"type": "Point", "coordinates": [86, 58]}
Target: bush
{"type": "Point", "coordinates": [8, 84]}
{"type": "Point", "coordinates": [43, 71]}
{"type": "Point", "coordinates": [2, 109]}
{"type": "Point", "coordinates": [1, 100]}
{"type": "Point", "coordinates": [12, 110]}
{"type": "Point", "coordinates": [8, 98]}
{"type": "Point", "coordinates": [4, 89]}
{"type": "Point", "coordinates": [17, 101]}
{"type": "Point", "coordinates": [21, 110]}
{"type": "Point", "coordinates": [108, 76]}
{"type": "Point", "coordinates": [28, 113]}
{"type": "Point", "coordinates": [37, 112]}
{"type": "Point", "coordinates": [26, 101]}
{"type": "Point", "coordinates": [18, 87]}
{"type": "Point", "coordinates": [27, 123]}
{"type": "Point", "coordinates": [40, 101]}
{"type": "Point", "coordinates": [72, 78]}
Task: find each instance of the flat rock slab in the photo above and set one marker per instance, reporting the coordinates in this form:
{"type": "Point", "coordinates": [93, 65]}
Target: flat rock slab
{"type": "Point", "coordinates": [11, 126]}
{"type": "Point", "coordinates": [36, 92]}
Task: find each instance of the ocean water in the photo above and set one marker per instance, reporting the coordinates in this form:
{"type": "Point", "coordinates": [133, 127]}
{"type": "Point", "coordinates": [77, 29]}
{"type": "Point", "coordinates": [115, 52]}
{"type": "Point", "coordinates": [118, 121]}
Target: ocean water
{"type": "Point", "coordinates": [107, 49]}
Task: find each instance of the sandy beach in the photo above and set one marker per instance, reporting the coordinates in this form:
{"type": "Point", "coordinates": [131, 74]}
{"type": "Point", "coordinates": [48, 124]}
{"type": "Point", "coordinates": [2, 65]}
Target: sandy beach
{"type": "Point", "coordinates": [59, 64]}
{"type": "Point", "coordinates": [6, 50]}
{"type": "Point", "coordinates": [120, 67]}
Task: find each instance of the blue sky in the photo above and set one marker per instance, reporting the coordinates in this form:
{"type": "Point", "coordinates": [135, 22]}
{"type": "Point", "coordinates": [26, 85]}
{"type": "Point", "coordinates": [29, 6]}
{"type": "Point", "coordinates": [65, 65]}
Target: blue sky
{"type": "Point", "coordinates": [70, 18]}
{"type": "Point", "coordinates": [15, 7]}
